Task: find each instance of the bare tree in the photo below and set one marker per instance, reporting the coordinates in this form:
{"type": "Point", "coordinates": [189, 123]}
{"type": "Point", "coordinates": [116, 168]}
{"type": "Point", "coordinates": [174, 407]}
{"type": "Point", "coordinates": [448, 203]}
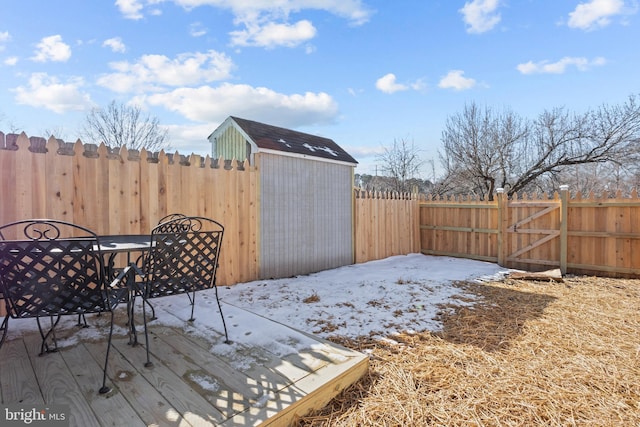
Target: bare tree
{"type": "Point", "coordinates": [401, 162]}
{"type": "Point", "coordinates": [12, 127]}
{"type": "Point", "coordinates": [484, 150]}
{"type": "Point", "coordinates": [121, 125]}
{"type": "Point", "coordinates": [481, 148]}
{"type": "Point", "coordinates": [57, 132]}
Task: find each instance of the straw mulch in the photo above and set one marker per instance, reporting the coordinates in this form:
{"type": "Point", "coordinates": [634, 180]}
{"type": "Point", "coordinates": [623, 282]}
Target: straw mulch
{"type": "Point", "coordinates": [529, 353]}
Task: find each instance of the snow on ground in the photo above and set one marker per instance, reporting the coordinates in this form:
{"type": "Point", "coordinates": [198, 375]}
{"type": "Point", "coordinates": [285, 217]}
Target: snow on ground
{"type": "Point", "coordinates": [377, 298]}
{"type": "Point", "coordinates": [396, 294]}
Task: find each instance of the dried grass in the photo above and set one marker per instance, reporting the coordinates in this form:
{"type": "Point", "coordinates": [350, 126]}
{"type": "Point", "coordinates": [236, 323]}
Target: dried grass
{"type": "Point", "coordinates": [531, 353]}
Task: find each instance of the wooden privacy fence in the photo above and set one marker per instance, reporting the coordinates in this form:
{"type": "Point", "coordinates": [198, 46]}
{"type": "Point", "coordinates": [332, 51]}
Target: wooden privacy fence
{"type": "Point", "coordinates": [386, 224]}
{"type": "Point", "coordinates": [592, 235]}
{"type": "Point", "coordinates": [127, 192]}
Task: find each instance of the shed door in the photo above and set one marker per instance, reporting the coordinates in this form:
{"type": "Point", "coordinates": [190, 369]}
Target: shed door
{"type": "Point", "coordinates": [306, 216]}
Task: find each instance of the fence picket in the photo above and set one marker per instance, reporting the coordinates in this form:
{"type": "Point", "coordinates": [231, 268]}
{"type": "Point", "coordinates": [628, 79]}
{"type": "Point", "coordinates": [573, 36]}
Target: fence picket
{"type": "Point", "coordinates": [598, 235]}
{"type": "Point", "coordinates": [127, 192]}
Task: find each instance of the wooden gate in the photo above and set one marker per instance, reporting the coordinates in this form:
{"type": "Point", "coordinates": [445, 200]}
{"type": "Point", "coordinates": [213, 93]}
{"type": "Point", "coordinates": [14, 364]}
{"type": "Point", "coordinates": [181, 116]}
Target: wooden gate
{"type": "Point", "coordinates": [589, 235]}
{"type": "Point", "coordinates": [531, 233]}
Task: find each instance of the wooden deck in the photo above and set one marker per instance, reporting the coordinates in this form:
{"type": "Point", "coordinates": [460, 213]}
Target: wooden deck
{"type": "Point", "coordinates": [196, 380]}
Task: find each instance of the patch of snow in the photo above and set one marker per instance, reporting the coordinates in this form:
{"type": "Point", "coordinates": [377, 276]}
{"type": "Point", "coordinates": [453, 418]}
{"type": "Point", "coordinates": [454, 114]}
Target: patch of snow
{"type": "Point", "coordinates": [379, 299]}
{"type": "Point", "coordinates": [205, 381]}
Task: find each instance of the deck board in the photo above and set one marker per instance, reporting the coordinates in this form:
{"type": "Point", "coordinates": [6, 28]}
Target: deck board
{"type": "Point", "coordinates": [196, 380]}
{"type": "Point", "coordinates": [182, 397]}
{"type": "Point", "coordinates": [89, 377]}
{"type": "Point", "coordinates": [19, 383]}
{"type": "Point", "coordinates": [57, 383]}
{"type": "Point", "coordinates": [151, 406]}
{"type": "Point", "coordinates": [231, 391]}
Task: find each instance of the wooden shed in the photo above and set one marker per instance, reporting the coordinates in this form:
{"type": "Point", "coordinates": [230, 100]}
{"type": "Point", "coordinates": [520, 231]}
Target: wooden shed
{"type": "Point", "coordinates": [305, 195]}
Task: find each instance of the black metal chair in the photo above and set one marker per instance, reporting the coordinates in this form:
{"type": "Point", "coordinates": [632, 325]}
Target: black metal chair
{"type": "Point", "coordinates": [51, 268]}
{"type": "Point", "coordinates": [183, 259]}
{"type": "Point", "coordinates": [171, 217]}
{"type": "Point", "coordinates": [167, 218]}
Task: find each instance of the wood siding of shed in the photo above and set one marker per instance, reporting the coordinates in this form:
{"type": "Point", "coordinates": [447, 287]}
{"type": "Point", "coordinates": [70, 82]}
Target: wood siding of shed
{"type": "Point", "coordinates": [231, 145]}
{"type": "Point", "coordinates": [306, 216]}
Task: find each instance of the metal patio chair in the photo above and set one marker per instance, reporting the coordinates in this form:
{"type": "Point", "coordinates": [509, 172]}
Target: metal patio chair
{"type": "Point", "coordinates": [169, 227]}
{"type": "Point", "coordinates": [183, 259]}
{"type": "Point", "coordinates": [51, 268]}
{"type": "Point", "coordinates": [171, 217]}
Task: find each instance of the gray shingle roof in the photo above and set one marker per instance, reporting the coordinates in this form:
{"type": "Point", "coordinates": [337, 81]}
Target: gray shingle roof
{"type": "Point", "coordinates": [280, 139]}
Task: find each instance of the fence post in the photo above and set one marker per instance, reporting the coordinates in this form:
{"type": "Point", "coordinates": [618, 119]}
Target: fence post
{"type": "Point", "coordinates": [564, 210]}
{"type": "Point", "coordinates": [501, 218]}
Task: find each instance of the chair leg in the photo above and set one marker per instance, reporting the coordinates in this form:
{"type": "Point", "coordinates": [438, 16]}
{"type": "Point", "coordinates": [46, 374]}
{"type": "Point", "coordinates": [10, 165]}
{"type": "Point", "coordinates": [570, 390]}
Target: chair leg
{"type": "Point", "coordinates": [224, 324]}
{"type": "Point", "coordinates": [192, 300]}
{"type": "Point", "coordinates": [104, 389]}
{"type": "Point", "coordinates": [153, 310]}
{"type": "Point", "coordinates": [82, 321]}
{"type": "Point", "coordinates": [3, 328]}
{"type": "Point", "coordinates": [133, 334]}
{"type": "Point", "coordinates": [148, 363]}
{"type": "Point", "coordinates": [44, 347]}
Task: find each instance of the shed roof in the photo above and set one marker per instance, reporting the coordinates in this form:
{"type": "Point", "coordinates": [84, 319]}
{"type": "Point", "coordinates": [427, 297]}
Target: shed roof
{"type": "Point", "coordinates": [268, 137]}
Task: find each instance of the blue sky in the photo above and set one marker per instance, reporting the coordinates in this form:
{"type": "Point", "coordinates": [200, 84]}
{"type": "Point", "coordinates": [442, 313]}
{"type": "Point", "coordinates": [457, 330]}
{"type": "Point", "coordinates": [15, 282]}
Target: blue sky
{"type": "Point", "coordinates": [361, 72]}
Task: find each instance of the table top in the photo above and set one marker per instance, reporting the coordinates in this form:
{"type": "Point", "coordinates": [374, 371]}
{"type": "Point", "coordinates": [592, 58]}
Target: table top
{"type": "Point", "coordinates": [125, 243]}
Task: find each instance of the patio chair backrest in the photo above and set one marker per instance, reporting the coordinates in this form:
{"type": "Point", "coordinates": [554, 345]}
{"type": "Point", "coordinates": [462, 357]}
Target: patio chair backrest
{"type": "Point", "coordinates": [171, 217]}
{"type": "Point", "coordinates": [183, 256]}
{"type": "Point", "coordinates": [50, 267]}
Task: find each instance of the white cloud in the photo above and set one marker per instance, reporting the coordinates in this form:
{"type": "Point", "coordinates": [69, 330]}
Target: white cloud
{"type": "Point", "coordinates": [153, 72]}
{"type": "Point", "coordinates": [559, 67]}
{"type": "Point", "coordinates": [480, 15]}
{"type": "Point", "coordinates": [4, 37]}
{"type": "Point", "coordinates": [272, 35]}
{"type": "Point", "coordinates": [115, 44]}
{"type": "Point", "coordinates": [363, 152]}
{"type": "Point", "coordinates": [131, 9]}
{"type": "Point", "coordinates": [47, 92]}
{"type": "Point", "coordinates": [187, 139]}
{"type": "Point", "coordinates": [388, 84]}
{"type": "Point", "coordinates": [196, 29]}
{"type": "Point", "coordinates": [418, 85]}
{"type": "Point", "coordinates": [353, 10]}
{"type": "Point", "coordinates": [595, 13]}
{"type": "Point", "coordinates": [214, 104]}
{"type": "Point", "coordinates": [265, 22]}
{"type": "Point", "coordinates": [52, 48]}
{"type": "Point", "coordinates": [11, 61]}
{"type": "Point", "coordinates": [455, 80]}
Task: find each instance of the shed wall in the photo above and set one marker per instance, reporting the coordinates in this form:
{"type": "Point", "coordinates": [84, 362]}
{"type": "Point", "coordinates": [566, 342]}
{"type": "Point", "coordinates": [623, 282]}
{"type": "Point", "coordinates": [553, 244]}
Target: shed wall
{"type": "Point", "coordinates": [306, 216]}
{"type": "Point", "coordinates": [231, 145]}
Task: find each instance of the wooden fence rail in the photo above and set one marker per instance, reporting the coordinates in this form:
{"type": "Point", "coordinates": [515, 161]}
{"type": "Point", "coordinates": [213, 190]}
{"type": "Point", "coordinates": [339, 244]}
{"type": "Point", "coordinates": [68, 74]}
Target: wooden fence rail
{"type": "Point", "coordinates": [592, 235]}
{"type": "Point", "coordinates": [127, 192]}
{"type": "Point", "coordinates": [386, 224]}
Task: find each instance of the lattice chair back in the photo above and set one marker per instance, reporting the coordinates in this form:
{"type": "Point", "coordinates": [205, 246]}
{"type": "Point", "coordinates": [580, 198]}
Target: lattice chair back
{"type": "Point", "coordinates": [183, 259]}
{"type": "Point", "coordinates": [171, 217]}
{"type": "Point", "coordinates": [51, 268]}
{"type": "Point", "coordinates": [184, 256]}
